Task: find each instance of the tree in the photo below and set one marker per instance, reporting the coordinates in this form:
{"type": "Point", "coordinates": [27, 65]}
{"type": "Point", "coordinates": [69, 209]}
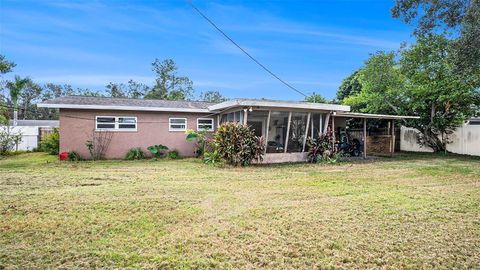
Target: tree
{"type": "Point", "coordinates": [5, 65]}
{"type": "Point", "coordinates": [115, 90]}
{"type": "Point", "coordinates": [316, 98]}
{"type": "Point", "coordinates": [15, 89]}
{"type": "Point", "coordinates": [382, 86]}
{"type": "Point", "coordinates": [422, 82]}
{"type": "Point", "coordinates": [131, 90]}
{"type": "Point", "coordinates": [212, 96]}
{"type": "Point", "coordinates": [90, 93]}
{"type": "Point", "coordinates": [50, 91]}
{"type": "Point", "coordinates": [136, 90]}
{"type": "Point", "coordinates": [9, 138]}
{"type": "Point", "coordinates": [438, 94]}
{"type": "Point", "coordinates": [31, 95]}
{"type": "Point", "coordinates": [167, 84]}
{"type": "Point", "coordinates": [350, 86]}
{"type": "Point", "coordinates": [457, 18]}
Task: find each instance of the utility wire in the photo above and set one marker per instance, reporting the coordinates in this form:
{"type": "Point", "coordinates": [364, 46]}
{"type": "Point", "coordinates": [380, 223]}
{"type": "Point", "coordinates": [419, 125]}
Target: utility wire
{"type": "Point", "coordinates": [244, 51]}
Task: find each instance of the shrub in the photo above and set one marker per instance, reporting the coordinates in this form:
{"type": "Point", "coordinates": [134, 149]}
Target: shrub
{"type": "Point", "coordinates": [74, 156]}
{"type": "Point", "coordinates": [335, 158]}
{"type": "Point", "coordinates": [158, 150]}
{"type": "Point", "coordinates": [9, 139]}
{"type": "Point", "coordinates": [98, 144]}
{"type": "Point", "coordinates": [200, 137]}
{"type": "Point", "coordinates": [51, 142]}
{"type": "Point", "coordinates": [173, 154]}
{"type": "Point", "coordinates": [135, 154]}
{"type": "Point", "coordinates": [212, 157]}
{"type": "Point", "coordinates": [321, 148]}
{"type": "Point", "coordinates": [237, 144]}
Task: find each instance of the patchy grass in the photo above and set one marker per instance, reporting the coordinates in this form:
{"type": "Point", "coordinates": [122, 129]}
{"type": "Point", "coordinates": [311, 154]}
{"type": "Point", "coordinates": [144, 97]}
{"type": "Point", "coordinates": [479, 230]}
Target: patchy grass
{"type": "Point", "coordinates": [413, 211]}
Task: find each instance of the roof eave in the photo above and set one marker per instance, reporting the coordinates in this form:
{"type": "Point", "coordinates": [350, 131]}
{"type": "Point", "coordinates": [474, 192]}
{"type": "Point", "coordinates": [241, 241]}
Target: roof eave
{"type": "Point", "coordinates": [286, 105]}
{"type": "Point", "coordinates": [122, 108]}
{"type": "Point", "coordinates": [376, 116]}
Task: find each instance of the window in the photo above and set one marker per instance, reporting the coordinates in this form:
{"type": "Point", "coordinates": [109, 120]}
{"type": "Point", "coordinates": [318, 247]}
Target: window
{"type": "Point", "coordinates": [121, 123]}
{"type": "Point", "coordinates": [127, 123]}
{"type": "Point", "coordinates": [205, 124]}
{"type": "Point", "coordinates": [177, 124]}
{"type": "Point", "coordinates": [232, 117]}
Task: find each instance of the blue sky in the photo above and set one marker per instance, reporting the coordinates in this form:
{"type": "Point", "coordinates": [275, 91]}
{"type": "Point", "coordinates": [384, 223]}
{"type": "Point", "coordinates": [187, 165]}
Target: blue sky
{"type": "Point", "coordinates": [312, 45]}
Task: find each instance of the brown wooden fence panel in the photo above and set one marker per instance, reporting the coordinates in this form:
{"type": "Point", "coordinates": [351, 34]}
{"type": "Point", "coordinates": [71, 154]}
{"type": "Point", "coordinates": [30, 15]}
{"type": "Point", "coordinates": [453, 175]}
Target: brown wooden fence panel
{"type": "Point", "coordinates": [43, 131]}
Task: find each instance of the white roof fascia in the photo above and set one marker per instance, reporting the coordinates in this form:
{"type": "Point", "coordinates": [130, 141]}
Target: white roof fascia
{"type": "Point", "coordinates": [121, 108]}
{"type": "Point", "coordinates": [279, 104]}
{"type": "Point", "coordinates": [377, 116]}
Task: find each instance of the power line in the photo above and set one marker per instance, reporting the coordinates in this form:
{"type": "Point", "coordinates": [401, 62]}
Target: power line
{"type": "Point", "coordinates": [244, 51]}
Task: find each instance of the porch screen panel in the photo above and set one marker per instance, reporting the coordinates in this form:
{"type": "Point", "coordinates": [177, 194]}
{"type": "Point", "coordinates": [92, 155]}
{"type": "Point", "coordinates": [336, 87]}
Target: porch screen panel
{"type": "Point", "coordinates": [277, 131]}
{"type": "Point", "coordinates": [297, 134]}
{"type": "Point", "coordinates": [257, 121]}
{"type": "Point", "coordinates": [230, 117]}
{"type": "Point", "coordinates": [315, 125]}
{"type": "Point", "coordinates": [223, 118]}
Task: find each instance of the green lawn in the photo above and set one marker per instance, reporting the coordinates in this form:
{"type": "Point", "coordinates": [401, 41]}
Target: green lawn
{"type": "Point", "coordinates": [413, 211]}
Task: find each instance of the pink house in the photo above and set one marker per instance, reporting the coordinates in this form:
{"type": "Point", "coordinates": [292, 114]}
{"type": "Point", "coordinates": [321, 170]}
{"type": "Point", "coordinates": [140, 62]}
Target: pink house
{"type": "Point", "coordinates": [142, 123]}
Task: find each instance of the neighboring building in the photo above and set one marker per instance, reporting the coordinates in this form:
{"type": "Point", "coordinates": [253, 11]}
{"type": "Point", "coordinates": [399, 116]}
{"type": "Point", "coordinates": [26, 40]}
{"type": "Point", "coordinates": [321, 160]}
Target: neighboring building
{"type": "Point", "coordinates": [465, 140]}
{"type": "Point", "coordinates": [32, 131]}
{"type": "Point", "coordinates": [142, 122]}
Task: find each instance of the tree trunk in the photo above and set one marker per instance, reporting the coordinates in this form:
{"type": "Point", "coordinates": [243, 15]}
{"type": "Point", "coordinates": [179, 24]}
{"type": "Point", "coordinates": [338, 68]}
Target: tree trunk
{"type": "Point", "coordinates": [15, 118]}
{"type": "Point", "coordinates": [430, 139]}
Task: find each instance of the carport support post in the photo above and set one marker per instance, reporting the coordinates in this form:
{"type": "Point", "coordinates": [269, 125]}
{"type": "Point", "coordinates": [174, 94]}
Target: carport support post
{"type": "Point", "coordinates": [333, 131]}
{"type": "Point", "coordinates": [393, 137]}
{"type": "Point", "coordinates": [364, 137]}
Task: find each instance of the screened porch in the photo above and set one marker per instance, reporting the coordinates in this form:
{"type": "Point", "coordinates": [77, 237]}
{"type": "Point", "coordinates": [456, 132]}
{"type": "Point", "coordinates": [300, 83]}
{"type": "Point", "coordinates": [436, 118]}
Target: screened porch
{"type": "Point", "coordinates": [287, 125]}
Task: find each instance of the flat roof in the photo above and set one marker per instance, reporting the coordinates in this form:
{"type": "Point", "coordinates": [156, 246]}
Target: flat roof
{"type": "Point", "coordinates": [36, 123]}
{"type": "Point", "coordinates": [277, 104]}
{"type": "Point", "coordinates": [375, 116]}
{"type": "Point", "coordinates": [129, 104]}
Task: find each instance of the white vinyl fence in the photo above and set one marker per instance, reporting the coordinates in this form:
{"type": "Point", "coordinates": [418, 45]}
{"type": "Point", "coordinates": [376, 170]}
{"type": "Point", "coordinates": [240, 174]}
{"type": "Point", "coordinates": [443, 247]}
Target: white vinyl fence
{"type": "Point", "coordinates": [32, 131]}
{"type": "Point", "coordinates": [29, 136]}
{"type": "Point", "coordinates": [465, 140]}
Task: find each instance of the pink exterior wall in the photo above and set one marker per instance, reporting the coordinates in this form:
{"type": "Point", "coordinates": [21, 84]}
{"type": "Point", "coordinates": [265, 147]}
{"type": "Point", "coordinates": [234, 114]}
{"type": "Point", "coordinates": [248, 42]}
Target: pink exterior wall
{"type": "Point", "coordinates": [76, 127]}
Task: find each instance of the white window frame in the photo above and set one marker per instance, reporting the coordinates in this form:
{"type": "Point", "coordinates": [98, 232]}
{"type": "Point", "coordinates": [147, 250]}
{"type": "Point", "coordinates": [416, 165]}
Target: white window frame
{"type": "Point", "coordinates": [208, 130]}
{"type": "Point", "coordinates": [117, 124]}
{"type": "Point", "coordinates": [176, 129]}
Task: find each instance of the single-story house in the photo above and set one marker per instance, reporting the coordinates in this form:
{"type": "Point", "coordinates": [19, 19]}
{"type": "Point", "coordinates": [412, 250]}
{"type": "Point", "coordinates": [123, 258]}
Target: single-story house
{"type": "Point", "coordinates": [143, 122]}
